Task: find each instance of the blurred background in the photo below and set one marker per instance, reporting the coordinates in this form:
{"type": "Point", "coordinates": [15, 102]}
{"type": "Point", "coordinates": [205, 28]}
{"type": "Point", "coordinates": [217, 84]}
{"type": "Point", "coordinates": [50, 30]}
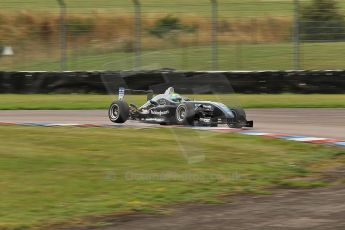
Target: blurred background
{"type": "Point", "coordinates": [53, 35]}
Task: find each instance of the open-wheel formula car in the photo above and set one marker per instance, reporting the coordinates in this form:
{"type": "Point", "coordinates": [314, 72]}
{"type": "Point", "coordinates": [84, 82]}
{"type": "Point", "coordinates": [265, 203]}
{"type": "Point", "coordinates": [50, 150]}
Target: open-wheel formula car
{"type": "Point", "coordinates": [170, 109]}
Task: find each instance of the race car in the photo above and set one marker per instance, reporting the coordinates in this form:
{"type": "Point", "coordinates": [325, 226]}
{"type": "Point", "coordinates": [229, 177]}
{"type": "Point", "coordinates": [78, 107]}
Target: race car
{"type": "Point", "coordinates": [171, 108]}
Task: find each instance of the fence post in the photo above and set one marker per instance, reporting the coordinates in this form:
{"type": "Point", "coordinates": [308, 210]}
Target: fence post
{"type": "Point", "coordinates": [137, 9]}
{"type": "Point", "coordinates": [63, 39]}
{"type": "Point", "coordinates": [214, 34]}
{"type": "Point", "coordinates": [296, 37]}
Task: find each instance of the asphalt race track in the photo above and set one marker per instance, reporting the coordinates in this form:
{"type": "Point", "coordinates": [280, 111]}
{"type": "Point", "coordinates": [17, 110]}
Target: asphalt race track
{"type": "Point", "coordinates": [310, 122]}
{"type": "Point", "coordinates": [328, 123]}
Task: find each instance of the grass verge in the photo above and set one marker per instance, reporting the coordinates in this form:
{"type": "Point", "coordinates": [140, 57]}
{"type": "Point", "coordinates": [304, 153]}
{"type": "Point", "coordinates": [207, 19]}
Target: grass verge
{"type": "Point", "coordinates": [228, 8]}
{"type": "Point", "coordinates": [74, 101]}
{"type": "Point", "coordinates": [52, 175]}
{"type": "Point", "coordinates": [247, 7]}
{"type": "Point", "coordinates": [278, 56]}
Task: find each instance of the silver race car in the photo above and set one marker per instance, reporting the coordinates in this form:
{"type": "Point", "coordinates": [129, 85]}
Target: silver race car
{"type": "Point", "coordinates": [171, 108]}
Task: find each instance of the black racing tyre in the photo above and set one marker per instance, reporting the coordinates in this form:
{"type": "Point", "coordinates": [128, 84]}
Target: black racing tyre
{"type": "Point", "coordinates": [185, 114]}
{"type": "Point", "coordinates": [235, 125]}
{"type": "Point", "coordinates": [239, 120]}
{"type": "Point", "coordinates": [118, 112]}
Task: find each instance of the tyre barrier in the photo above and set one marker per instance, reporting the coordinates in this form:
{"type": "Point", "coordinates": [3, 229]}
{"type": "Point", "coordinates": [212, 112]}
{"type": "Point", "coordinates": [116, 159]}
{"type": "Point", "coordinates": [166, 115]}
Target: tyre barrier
{"type": "Point", "coordinates": [331, 81]}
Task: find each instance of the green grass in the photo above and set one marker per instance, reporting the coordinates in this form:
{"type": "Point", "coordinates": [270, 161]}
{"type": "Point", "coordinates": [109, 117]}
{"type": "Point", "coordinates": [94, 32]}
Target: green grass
{"type": "Point", "coordinates": [75, 101]}
{"type": "Point", "coordinates": [227, 7]}
{"type": "Point", "coordinates": [52, 175]}
{"type": "Point", "coordinates": [243, 8]}
{"type": "Point", "coordinates": [231, 57]}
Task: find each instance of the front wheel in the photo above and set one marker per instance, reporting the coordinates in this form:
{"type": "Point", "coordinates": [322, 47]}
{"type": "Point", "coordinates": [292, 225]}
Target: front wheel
{"type": "Point", "coordinates": [185, 114]}
{"type": "Point", "coordinates": [118, 112]}
{"type": "Point", "coordinates": [234, 124]}
{"type": "Point", "coordinates": [239, 119]}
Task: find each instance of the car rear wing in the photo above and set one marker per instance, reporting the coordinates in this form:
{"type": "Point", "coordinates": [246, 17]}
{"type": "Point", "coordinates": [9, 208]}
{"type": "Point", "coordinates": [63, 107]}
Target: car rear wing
{"type": "Point", "coordinates": [122, 92]}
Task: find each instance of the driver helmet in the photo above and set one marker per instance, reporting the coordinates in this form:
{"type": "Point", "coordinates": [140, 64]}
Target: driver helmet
{"type": "Point", "coordinates": [176, 97]}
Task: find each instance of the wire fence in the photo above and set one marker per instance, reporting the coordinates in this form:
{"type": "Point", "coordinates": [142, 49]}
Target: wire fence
{"type": "Point", "coordinates": [53, 35]}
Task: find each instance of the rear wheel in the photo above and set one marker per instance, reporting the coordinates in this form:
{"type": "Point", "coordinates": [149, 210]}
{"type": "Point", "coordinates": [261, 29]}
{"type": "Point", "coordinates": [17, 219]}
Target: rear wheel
{"type": "Point", "coordinates": [185, 114]}
{"type": "Point", "coordinates": [118, 112]}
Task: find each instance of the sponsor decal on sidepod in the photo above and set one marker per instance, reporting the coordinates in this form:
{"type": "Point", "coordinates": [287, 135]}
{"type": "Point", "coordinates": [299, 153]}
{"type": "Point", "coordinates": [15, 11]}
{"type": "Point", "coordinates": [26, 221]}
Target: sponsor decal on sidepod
{"type": "Point", "coordinates": [160, 113]}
